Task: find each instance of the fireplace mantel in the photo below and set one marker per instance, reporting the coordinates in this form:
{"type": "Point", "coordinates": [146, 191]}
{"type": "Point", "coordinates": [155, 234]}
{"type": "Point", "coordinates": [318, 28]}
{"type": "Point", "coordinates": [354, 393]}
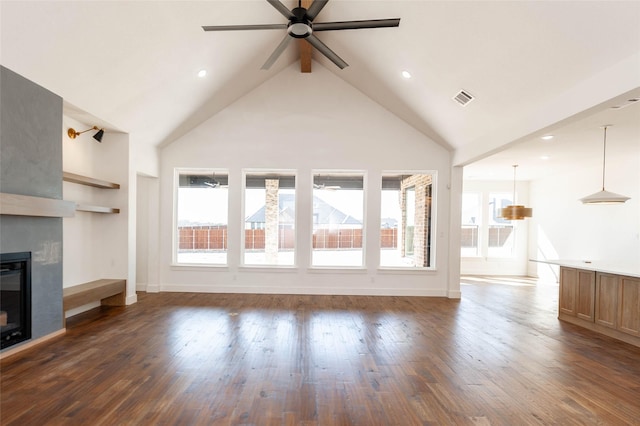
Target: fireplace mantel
{"type": "Point", "coordinates": [23, 205]}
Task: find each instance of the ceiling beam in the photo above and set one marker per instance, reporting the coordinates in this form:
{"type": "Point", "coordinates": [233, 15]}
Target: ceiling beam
{"type": "Point", "coordinates": [305, 48]}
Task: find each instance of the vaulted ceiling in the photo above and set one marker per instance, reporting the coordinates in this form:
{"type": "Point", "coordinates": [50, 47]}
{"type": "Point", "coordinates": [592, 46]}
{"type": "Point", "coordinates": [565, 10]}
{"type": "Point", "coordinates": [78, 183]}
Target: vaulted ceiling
{"type": "Point", "coordinates": [531, 66]}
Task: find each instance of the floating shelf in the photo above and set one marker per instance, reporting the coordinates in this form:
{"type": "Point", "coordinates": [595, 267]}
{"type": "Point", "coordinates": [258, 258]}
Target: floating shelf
{"type": "Point", "coordinates": [96, 209]}
{"type": "Point", "coordinates": [89, 181]}
{"type": "Point", "coordinates": [96, 183]}
{"type": "Point", "coordinates": [24, 205]}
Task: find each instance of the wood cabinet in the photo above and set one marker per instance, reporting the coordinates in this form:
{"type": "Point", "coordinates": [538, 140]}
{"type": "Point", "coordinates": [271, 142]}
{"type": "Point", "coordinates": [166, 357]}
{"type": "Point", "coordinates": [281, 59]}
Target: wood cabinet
{"type": "Point", "coordinates": [607, 299]}
{"type": "Point", "coordinates": [577, 293]}
{"type": "Point", "coordinates": [629, 306]}
{"type": "Point", "coordinates": [603, 302]}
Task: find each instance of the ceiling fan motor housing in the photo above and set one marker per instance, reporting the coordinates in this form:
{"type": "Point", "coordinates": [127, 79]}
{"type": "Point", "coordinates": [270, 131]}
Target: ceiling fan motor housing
{"type": "Point", "coordinates": [299, 24]}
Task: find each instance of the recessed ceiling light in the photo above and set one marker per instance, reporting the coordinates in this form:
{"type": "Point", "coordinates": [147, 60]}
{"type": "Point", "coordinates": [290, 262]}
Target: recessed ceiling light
{"type": "Point", "coordinates": [202, 73]}
{"type": "Point", "coordinates": [547, 137]}
{"type": "Point", "coordinates": [626, 103]}
{"type": "Point", "coordinates": [406, 74]}
{"type": "Point", "coordinates": [544, 157]}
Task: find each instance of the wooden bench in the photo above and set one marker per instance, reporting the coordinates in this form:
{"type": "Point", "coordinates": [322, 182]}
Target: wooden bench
{"type": "Point", "coordinates": [111, 292]}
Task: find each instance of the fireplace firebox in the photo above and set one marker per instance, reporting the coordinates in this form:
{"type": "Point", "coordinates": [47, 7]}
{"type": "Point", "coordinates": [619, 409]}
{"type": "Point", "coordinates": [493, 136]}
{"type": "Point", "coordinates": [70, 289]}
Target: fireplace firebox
{"type": "Point", "coordinates": [15, 298]}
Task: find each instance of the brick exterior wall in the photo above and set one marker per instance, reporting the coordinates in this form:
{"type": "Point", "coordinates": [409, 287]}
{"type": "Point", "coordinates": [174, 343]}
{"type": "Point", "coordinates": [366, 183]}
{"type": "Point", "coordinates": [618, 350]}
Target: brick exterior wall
{"type": "Point", "coordinates": [272, 219]}
{"type": "Point", "coordinates": [422, 220]}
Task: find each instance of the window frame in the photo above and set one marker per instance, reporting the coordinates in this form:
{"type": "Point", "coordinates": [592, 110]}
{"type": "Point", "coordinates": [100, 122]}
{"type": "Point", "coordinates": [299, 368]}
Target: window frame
{"type": "Point", "coordinates": [479, 224]}
{"type": "Point", "coordinates": [275, 172]}
{"type": "Point", "coordinates": [488, 220]}
{"type": "Point", "coordinates": [494, 221]}
{"type": "Point", "coordinates": [328, 174]}
{"type": "Point", "coordinates": [177, 172]}
{"type": "Point", "coordinates": [432, 219]}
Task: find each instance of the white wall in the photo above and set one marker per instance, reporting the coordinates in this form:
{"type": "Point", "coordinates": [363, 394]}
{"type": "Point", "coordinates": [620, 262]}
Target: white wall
{"type": "Point", "coordinates": [147, 213]}
{"type": "Point", "coordinates": [142, 232]}
{"type": "Point", "coordinates": [95, 245]}
{"type": "Point", "coordinates": [305, 122]}
{"type": "Point", "coordinates": [564, 228]}
{"type": "Point", "coordinates": [485, 265]}
{"type": "Point", "coordinates": [144, 158]}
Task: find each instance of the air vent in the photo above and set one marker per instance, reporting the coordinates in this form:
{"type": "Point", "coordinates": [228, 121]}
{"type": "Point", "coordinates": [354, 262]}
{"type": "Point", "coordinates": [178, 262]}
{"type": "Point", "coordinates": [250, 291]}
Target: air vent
{"type": "Point", "coordinates": [463, 98]}
{"type": "Point", "coordinates": [626, 103]}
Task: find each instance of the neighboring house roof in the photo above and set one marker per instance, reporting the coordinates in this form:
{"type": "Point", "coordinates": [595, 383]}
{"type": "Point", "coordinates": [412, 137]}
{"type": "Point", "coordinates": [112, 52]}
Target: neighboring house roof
{"type": "Point", "coordinates": [326, 213]}
{"type": "Point", "coordinates": [388, 222]}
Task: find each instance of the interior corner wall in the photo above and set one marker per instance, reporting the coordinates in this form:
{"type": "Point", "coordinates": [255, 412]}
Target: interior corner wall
{"type": "Point", "coordinates": [147, 218]}
{"type": "Point", "coordinates": [145, 159]}
{"type": "Point", "coordinates": [96, 244]}
{"type": "Point", "coordinates": [306, 122]}
{"type": "Point", "coordinates": [455, 231]}
{"type": "Point", "coordinates": [142, 237]}
{"type": "Point", "coordinates": [31, 164]}
{"type": "Point", "coordinates": [564, 228]}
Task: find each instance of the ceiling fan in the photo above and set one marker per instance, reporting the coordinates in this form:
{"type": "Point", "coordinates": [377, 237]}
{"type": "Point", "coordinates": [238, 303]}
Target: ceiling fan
{"type": "Point", "coordinates": [322, 186]}
{"type": "Point", "coordinates": [213, 183]}
{"type": "Point", "coordinates": [301, 26]}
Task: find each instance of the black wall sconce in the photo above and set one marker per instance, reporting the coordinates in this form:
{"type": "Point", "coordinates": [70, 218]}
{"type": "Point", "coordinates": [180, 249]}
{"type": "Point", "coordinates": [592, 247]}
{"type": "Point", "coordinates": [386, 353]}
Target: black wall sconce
{"type": "Point", "coordinates": [98, 136]}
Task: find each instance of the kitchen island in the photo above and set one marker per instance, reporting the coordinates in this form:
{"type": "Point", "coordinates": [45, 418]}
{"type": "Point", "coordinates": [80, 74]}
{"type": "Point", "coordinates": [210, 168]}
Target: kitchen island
{"type": "Point", "coordinates": [602, 297]}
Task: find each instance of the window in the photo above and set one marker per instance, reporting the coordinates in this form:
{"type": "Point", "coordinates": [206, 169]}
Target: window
{"type": "Point", "coordinates": [202, 217]}
{"type": "Point", "coordinates": [270, 216]}
{"type": "Point", "coordinates": [338, 212]}
{"type": "Point", "coordinates": [405, 218]}
{"type": "Point", "coordinates": [484, 233]}
{"type": "Point", "coordinates": [501, 231]}
{"type": "Point", "coordinates": [471, 221]}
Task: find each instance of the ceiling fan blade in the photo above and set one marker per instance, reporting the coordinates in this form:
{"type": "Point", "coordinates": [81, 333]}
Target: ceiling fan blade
{"type": "Point", "coordinates": [276, 53]}
{"type": "Point", "coordinates": [315, 42]}
{"type": "Point", "coordinates": [315, 8]}
{"type": "Point", "coordinates": [354, 25]}
{"type": "Point", "coordinates": [281, 8]}
{"type": "Point", "coordinates": [244, 27]}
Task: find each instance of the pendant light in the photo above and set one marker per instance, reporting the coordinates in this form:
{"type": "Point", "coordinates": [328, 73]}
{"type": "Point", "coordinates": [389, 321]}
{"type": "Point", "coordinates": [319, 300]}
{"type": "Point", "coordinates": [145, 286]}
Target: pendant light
{"type": "Point", "coordinates": [515, 212]}
{"type": "Point", "coordinates": [603, 196]}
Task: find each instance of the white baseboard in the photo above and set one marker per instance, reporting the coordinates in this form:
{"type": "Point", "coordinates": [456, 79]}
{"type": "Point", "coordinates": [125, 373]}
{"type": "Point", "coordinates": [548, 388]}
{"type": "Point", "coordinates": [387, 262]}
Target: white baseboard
{"type": "Point", "coordinates": [305, 290]}
{"type": "Point", "coordinates": [454, 294]}
{"type": "Point", "coordinates": [152, 288]}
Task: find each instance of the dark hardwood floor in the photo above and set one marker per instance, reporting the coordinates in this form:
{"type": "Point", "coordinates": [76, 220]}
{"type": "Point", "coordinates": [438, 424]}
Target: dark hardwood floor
{"type": "Point", "coordinates": [499, 356]}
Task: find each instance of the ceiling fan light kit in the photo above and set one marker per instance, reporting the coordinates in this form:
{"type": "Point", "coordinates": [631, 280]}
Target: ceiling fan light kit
{"type": "Point", "coordinates": [301, 26]}
{"type": "Point", "coordinates": [603, 196]}
{"type": "Point", "coordinates": [515, 211]}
